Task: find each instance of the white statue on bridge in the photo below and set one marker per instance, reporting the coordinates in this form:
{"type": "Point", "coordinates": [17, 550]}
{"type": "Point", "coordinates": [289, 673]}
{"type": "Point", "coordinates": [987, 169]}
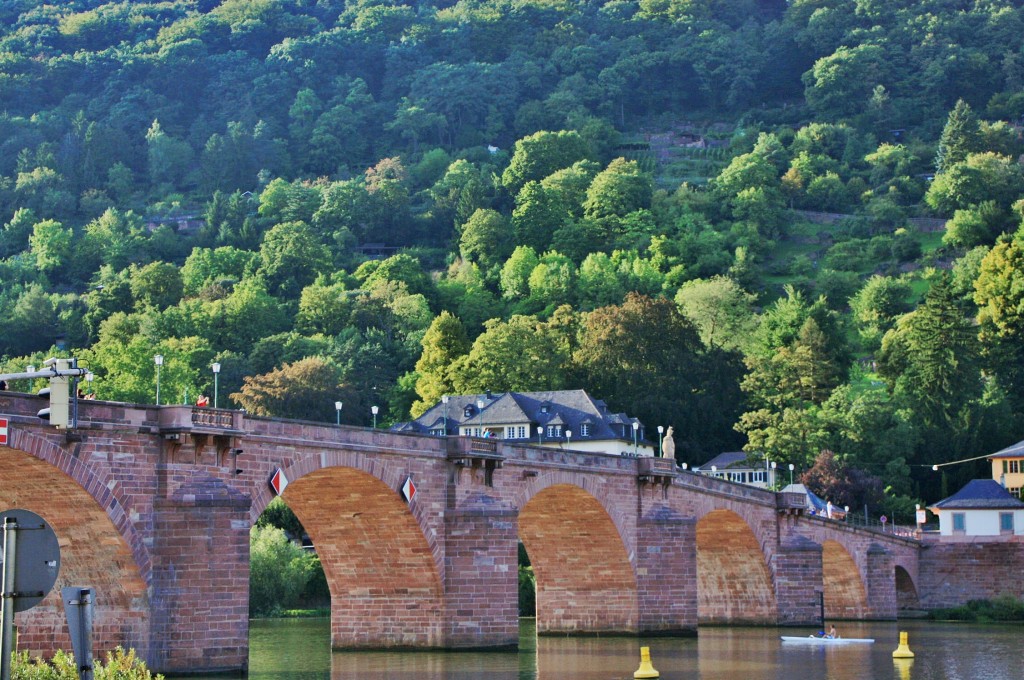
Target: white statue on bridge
{"type": "Point", "coordinates": [668, 445]}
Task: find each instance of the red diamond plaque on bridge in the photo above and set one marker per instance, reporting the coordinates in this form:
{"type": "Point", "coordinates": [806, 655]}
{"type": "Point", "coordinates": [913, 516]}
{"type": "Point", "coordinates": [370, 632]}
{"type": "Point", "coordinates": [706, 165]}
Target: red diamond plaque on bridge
{"type": "Point", "coordinates": [3, 430]}
{"type": "Point", "coordinates": [278, 482]}
{"type": "Point", "coordinates": [408, 490]}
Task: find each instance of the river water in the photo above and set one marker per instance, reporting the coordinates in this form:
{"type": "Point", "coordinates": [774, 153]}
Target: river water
{"type": "Point", "coordinates": [299, 649]}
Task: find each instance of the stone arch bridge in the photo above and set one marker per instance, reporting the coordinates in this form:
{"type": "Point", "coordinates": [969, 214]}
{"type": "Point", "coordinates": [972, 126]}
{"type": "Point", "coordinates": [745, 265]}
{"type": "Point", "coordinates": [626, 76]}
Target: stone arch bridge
{"type": "Point", "coordinates": [153, 505]}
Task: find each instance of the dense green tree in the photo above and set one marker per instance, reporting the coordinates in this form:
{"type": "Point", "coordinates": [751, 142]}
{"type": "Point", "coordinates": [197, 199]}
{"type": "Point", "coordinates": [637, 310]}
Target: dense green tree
{"type": "Point", "coordinates": [486, 239]}
{"type": "Point", "coordinates": [960, 137]}
{"type": "Point", "coordinates": [157, 284]}
{"type": "Point", "coordinates": [999, 294]}
{"type": "Point", "coordinates": [444, 342]}
{"type": "Point", "coordinates": [305, 389]}
{"type": "Point", "coordinates": [538, 155]}
{"type": "Point", "coordinates": [876, 306]}
{"type": "Point", "coordinates": [930, 358]}
{"type": "Point", "coordinates": [521, 354]}
{"type": "Point", "coordinates": [291, 257]}
{"type": "Point", "coordinates": [646, 358]}
{"type": "Point", "coordinates": [720, 309]}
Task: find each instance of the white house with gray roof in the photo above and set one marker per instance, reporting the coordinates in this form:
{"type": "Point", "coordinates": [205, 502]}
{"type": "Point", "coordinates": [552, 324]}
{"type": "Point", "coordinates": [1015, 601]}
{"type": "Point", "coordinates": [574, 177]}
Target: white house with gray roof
{"type": "Point", "coordinates": [559, 419]}
{"type": "Point", "coordinates": [982, 508]}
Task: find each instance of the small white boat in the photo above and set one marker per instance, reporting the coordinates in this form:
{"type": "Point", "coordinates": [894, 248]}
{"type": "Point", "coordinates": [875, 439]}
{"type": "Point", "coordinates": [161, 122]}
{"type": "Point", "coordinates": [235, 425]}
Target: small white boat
{"type": "Point", "coordinates": [815, 640]}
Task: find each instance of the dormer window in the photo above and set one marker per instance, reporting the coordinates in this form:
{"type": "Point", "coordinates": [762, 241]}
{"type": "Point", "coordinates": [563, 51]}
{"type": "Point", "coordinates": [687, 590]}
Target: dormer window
{"type": "Point", "coordinates": [468, 411]}
{"type": "Point", "coordinates": [584, 429]}
{"type": "Point", "coordinates": [554, 431]}
{"type": "Point", "coordinates": [545, 407]}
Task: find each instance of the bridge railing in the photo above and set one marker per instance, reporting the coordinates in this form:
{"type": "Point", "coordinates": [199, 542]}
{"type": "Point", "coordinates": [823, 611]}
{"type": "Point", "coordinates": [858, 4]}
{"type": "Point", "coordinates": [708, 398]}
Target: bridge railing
{"type": "Point", "coordinates": [902, 530]}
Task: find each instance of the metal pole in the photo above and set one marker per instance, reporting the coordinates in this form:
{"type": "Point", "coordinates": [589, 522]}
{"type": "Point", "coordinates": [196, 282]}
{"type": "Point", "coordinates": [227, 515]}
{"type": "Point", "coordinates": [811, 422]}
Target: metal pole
{"type": "Point", "coordinates": [216, 381]}
{"type": "Point", "coordinates": [7, 597]}
{"type": "Point", "coordinates": [85, 614]}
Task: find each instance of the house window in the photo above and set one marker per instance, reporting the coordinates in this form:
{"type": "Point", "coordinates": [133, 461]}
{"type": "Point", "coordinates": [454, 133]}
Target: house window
{"type": "Point", "coordinates": [522, 432]}
{"type": "Point", "coordinates": [554, 430]}
{"type": "Point", "coordinates": [468, 412]}
{"type": "Point", "coordinates": [584, 430]}
{"type": "Point", "coordinates": [959, 523]}
{"type": "Point", "coordinates": [1006, 522]}
{"type": "Point", "coordinates": [1006, 466]}
{"type": "Point", "coordinates": [1014, 466]}
{"type": "Point", "coordinates": [439, 432]}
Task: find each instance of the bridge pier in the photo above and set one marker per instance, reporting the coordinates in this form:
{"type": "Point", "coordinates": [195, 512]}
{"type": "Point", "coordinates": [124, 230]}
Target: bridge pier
{"type": "Point", "coordinates": [880, 579]}
{"type": "Point", "coordinates": [481, 577]}
{"type": "Point", "coordinates": [200, 584]}
{"type": "Point", "coordinates": [666, 573]}
{"type": "Point", "coordinates": [798, 581]}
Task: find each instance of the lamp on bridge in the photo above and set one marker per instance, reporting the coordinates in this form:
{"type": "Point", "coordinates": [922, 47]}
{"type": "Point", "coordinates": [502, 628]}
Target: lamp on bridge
{"type": "Point", "coordinates": [159, 361]}
{"type": "Point", "coordinates": [791, 467]}
{"type": "Point", "coordinates": [684, 466]}
{"type": "Point", "coordinates": [636, 427]}
{"type": "Point", "coordinates": [540, 434]}
{"type": "Point", "coordinates": [568, 438]}
{"type": "Point", "coordinates": [373, 410]}
{"type": "Point", "coordinates": [444, 400]}
{"type": "Point", "coordinates": [772, 480]}
{"type": "Point", "coordinates": [216, 376]}
{"type": "Point", "coordinates": [714, 470]}
{"type": "Point", "coordinates": [89, 377]}
{"type": "Point", "coordinates": [337, 409]}
{"type": "Point", "coordinates": [661, 430]}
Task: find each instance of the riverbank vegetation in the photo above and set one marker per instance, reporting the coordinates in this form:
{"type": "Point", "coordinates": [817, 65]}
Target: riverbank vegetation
{"type": "Point", "coordinates": [998, 610]}
{"type": "Point", "coordinates": [118, 665]}
{"type": "Point", "coordinates": [787, 227]}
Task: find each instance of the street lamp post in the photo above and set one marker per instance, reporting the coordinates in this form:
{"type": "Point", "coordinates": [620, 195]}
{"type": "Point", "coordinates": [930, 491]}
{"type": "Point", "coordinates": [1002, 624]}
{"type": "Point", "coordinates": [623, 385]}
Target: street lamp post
{"type": "Point", "coordinates": [337, 409]}
{"type": "Point", "coordinates": [480, 417]}
{"type": "Point", "coordinates": [89, 377]}
{"type": "Point", "coordinates": [661, 429]}
{"type": "Point", "coordinates": [444, 400]}
{"type": "Point", "coordinates": [159, 361]}
{"type": "Point", "coordinates": [540, 435]}
{"type": "Point", "coordinates": [774, 465]}
{"type": "Point", "coordinates": [216, 382]}
{"type": "Point", "coordinates": [791, 466]}
{"type": "Point", "coordinates": [568, 438]}
{"type": "Point", "coordinates": [373, 410]}
{"type": "Point", "coordinates": [636, 428]}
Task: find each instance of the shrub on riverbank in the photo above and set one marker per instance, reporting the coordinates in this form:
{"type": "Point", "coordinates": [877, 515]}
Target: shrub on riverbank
{"type": "Point", "coordinates": [983, 611]}
{"type": "Point", "coordinates": [279, 572]}
{"type": "Point", "coordinates": [119, 665]}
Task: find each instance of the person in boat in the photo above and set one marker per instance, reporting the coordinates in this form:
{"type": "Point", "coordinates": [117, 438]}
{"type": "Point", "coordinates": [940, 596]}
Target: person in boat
{"type": "Point", "coordinates": [832, 634]}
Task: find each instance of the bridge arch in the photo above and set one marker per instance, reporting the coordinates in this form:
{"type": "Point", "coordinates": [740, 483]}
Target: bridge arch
{"type": "Point", "coordinates": [585, 577]}
{"type": "Point", "coordinates": [845, 594]}
{"type": "Point", "coordinates": [99, 545]}
{"type": "Point", "coordinates": [906, 590]}
{"type": "Point", "coordinates": [380, 562]}
{"type": "Point", "coordinates": [734, 584]}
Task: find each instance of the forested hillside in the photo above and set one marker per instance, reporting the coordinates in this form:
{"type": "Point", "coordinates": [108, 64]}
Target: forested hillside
{"type": "Point", "coordinates": [791, 227]}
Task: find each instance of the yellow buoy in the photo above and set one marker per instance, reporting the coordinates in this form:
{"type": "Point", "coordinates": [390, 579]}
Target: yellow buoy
{"type": "Point", "coordinates": [903, 667]}
{"type": "Point", "coordinates": [646, 670]}
{"type": "Point", "coordinates": [903, 651]}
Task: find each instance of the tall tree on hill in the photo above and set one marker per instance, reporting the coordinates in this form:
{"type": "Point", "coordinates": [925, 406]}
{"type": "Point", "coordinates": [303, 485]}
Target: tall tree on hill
{"type": "Point", "coordinates": [444, 342]}
{"type": "Point", "coordinates": [540, 154]}
{"type": "Point", "coordinates": [646, 358]}
{"type": "Point", "coordinates": [999, 292]}
{"type": "Point", "coordinates": [960, 137]}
